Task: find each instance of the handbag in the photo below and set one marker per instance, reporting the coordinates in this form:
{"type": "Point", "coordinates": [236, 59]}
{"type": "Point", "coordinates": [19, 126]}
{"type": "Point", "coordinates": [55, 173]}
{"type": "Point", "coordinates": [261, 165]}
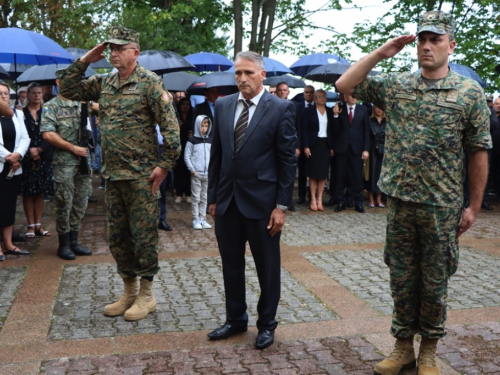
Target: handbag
{"type": "Point", "coordinates": [380, 148]}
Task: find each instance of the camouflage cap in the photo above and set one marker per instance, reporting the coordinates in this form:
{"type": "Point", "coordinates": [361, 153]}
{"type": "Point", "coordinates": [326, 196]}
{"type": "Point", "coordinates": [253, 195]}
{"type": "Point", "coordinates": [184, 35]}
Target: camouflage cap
{"type": "Point", "coordinates": [120, 35]}
{"type": "Point", "coordinates": [436, 21]}
{"type": "Point", "coordinates": [59, 73]}
{"type": "Point", "coordinates": [489, 98]}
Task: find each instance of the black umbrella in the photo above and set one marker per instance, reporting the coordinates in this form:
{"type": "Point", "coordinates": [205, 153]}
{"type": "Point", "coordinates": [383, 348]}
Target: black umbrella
{"type": "Point", "coordinates": [46, 74]}
{"type": "Point", "coordinates": [162, 62]}
{"type": "Point", "coordinates": [289, 80]}
{"type": "Point", "coordinates": [178, 81]}
{"type": "Point", "coordinates": [330, 73]}
{"type": "Point", "coordinates": [13, 70]}
{"type": "Point", "coordinates": [224, 81]}
{"type": "Point", "coordinates": [79, 52]}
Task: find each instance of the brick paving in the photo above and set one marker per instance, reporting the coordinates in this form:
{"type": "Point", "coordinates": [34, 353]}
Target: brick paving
{"type": "Point", "coordinates": [476, 283]}
{"type": "Point", "coordinates": [10, 282]}
{"type": "Point", "coordinates": [342, 355]}
{"type": "Point", "coordinates": [189, 295]}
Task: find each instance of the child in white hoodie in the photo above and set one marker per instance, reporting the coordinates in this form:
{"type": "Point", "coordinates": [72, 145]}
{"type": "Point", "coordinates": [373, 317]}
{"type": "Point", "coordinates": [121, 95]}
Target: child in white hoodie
{"type": "Point", "coordinates": [197, 157]}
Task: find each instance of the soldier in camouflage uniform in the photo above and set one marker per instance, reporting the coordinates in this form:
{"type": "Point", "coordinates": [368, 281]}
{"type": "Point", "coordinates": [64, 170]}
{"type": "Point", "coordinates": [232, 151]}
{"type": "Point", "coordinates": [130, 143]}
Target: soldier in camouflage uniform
{"type": "Point", "coordinates": [432, 117]}
{"type": "Point", "coordinates": [60, 126]}
{"type": "Point", "coordinates": [131, 103]}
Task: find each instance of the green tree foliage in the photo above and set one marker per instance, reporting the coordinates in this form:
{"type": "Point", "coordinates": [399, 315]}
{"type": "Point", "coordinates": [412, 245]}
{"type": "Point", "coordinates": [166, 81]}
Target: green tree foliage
{"type": "Point", "coordinates": [477, 31]}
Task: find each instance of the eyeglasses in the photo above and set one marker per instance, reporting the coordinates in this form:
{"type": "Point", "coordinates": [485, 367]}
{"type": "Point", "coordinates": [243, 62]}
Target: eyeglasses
{"type": "Point", "coordinates": [120, 49]}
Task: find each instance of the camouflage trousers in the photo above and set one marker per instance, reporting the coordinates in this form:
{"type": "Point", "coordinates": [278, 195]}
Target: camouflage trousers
{"type": "Point", "coordinates": [133, 226]}
{"type": "Point", "coordinates": [422, 254]}
{"type": "Point", "coordinates": [72, 196]}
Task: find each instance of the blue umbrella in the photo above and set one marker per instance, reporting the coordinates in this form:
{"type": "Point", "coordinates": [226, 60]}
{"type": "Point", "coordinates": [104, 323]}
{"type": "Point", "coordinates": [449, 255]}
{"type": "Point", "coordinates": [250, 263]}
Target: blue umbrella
{"type": "Point", "coordinates": [466, 72]}
{"type": "Point", "coordinates": [273, 68]}
{"type": "Point", "coordinates": [209, 62]}
{"type": "Point", "coordinates": [306, 64]}
{"type": "Point", "coordinates": [26, 47]}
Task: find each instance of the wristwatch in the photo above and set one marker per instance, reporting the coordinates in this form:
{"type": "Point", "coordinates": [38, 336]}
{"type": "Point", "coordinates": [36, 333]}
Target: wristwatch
{"type": "Point", "coordinates": [283, 208]}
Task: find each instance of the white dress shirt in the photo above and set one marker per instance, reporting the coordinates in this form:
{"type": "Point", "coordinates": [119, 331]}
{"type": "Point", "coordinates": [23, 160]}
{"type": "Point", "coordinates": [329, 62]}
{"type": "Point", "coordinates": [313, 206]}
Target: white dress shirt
{"type": "Point", "coordinates": [240, 106]}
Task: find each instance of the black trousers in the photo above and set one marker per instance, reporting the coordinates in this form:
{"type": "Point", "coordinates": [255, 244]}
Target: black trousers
{"type": "Point", "coordinates": [343, 163]}
{"type": "Point", "coordinates": [233, 230]}
{"type": "Point", "coordinates": [302, 178]}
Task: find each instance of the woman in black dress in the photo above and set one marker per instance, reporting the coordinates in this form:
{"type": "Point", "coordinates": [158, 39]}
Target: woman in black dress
{"type": "Point", "coordinates": [318, 146]}
{"type": "Point", "coordinates": [14, 143]}
{"type": "Point", "coordinates": [377, 134]}
{"type": "Point", "coordinates": [36, 180]}
{"type": "Point", "coordinates": [182, 176]}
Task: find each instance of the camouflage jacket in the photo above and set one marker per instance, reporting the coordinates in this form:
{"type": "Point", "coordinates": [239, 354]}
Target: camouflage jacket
{"type": "Point", "coordinates": [62, 117]}
{"type": "Point", "coordinates": [128, 115]}
{"type": "Point", "coordinates": [428, 128]}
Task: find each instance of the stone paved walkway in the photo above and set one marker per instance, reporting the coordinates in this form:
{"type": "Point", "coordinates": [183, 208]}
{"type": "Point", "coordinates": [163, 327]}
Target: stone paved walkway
{"type": "Point", "coordinates": [334, 312]}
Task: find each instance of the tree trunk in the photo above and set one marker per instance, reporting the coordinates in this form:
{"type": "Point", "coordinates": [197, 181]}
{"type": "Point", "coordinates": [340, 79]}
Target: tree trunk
{"type": "Point", "coordinates": [238, 26]}
{"type": "Point", "coordinates": [269, 30]}
{"type": "Point", "coordinates": [262, 30]}
{"type": "Point", "coordinates": [255, 23]}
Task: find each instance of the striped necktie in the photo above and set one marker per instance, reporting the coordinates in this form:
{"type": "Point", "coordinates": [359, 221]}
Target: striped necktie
{"type": "Point", "coordinates": [241, 124]}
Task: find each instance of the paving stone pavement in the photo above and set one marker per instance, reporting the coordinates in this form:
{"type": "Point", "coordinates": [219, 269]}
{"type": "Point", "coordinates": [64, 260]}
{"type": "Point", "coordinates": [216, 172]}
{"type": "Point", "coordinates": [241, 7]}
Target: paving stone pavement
{"type": "Point", "coordinates": [189, 295]}
{"type": "Point", "coordinates": [340, 228]}
{"type": "Point", "coordinates": [10, 282]}
{"type": "Point", "coordinates": [342, 355]}
{"type": "Point", "coordinates": [476, 283]}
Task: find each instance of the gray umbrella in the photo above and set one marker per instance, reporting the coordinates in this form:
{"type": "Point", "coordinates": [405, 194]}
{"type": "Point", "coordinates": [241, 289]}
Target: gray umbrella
{"type": "Point", "coordinates": [178, 81]}
{"type": "Point", "coordinates": [289, 80]}
{"type": "Point", "coordinates": [330, 73]}
{"type": "Point", "coordinates": [46, 74]}
{"type": "Point", "coordinates": [15, 71]}
{"type": "Point", "coordinates": [3, 73]}
{"type": "Point", "coordinates": [79, 52]}
{"type": "Point", "coordinates": [162, 62]}
{"type": "Point", "coordinates": [224, 81]}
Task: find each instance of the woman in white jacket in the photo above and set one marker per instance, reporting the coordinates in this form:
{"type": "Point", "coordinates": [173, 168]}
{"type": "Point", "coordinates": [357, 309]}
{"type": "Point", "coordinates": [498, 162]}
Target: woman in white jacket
{"type": "Point", "coordinates": [14, 143]}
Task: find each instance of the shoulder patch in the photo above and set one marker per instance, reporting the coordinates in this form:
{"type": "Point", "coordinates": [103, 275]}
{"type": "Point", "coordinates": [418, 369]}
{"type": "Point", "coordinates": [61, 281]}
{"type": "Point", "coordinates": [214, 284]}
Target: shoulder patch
{"type": "Point", "coordinates": [165, 96]}
{"type": "Point", "coordinates": [45, 108]}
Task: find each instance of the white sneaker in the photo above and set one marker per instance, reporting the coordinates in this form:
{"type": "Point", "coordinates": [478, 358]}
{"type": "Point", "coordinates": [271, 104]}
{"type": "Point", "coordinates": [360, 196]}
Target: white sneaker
{"type": "Point", "coordinates": [197, 224]}
{"type": "Point", "coordinates": [205, 225]}
{"type": "Point", "coordinates": [178, 200]}
{"type": "Point", "coordinates": [188, 199]}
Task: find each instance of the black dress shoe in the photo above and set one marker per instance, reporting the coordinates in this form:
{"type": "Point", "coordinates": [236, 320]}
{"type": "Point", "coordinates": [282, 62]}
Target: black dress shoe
{"type": "Point", "coordinates": [360, 209]}
{"type": "Point", "coordinates": [18, 238]}
{"type": "Point", "coordinates": [291, 208]}
{"type": "Point", "coordinates": [350, 204]}
{"type": "Point", "coordinates": [331, 202]}
{"type": "Point", "coordinates": [92, 200]}
{"type": "Point", "coordinates": [486, 206]}
{"type": "Point", "coordinates": [340, 207]}
{"type": "Point", "coordinates": [301, 200]}
{"type": "Point", "coordinates": [264, 339]}
{"type": "Point", "coordinates": [466, 203]}
{"type": "Point", "coordinates": [164, 226]}
{"type": "Point", "coordinates": [227, 330]}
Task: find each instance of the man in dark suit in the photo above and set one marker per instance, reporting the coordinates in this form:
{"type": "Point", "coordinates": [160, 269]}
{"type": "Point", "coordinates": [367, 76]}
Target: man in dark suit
{"type": "Point", "coordinates": [282, 92]}
{"type": "Point", "coordinates": [207, 107]}
{"type": "Point", "coordinates": [251, 176]}
{"type": "Point", "coordinates": [351, 142]}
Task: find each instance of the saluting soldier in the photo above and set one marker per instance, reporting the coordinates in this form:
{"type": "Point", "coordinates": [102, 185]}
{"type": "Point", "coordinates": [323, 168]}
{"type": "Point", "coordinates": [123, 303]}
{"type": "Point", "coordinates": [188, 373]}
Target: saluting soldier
{"type": "Point", "coordinates": [60, 126]}
{"type": "Point", "coordinates": [131, 102]}
{"type": "Point", "coordinates": [432, 116]}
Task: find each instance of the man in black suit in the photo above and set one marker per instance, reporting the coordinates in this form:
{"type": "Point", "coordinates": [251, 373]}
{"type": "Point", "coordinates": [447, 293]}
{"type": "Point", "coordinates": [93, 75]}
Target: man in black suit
{"type": "Point", "coordinates": [250, 184]}
{"type": "Point", "coordinates": [282, 92]}
{"type": "Point", "coordinates": [351, 142]}
{"type": "Point", "coordinates": [207, 107]}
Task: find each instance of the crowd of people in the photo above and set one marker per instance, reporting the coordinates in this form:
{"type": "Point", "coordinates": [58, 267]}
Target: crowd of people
{"type": "Point", "coordinates": [238, 157]}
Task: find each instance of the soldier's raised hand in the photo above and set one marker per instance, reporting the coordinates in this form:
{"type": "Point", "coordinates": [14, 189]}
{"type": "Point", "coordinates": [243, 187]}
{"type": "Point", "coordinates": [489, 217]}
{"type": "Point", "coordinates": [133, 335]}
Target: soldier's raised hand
{"type": "Point", "coordinates": [392, 47]}
{"type": "Point", "coordinates": [95, 54]}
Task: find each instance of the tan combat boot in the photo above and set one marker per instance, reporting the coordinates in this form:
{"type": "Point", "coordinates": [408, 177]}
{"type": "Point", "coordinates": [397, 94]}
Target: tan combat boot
{"type": "Point", "coordinates": [144, 304]}
{"type": "Point", "coordinates": [402, 357]}
{"type": "Point", "coordinates": [126, 300]}
{"type": "Point", "coordinates": [426, 362]}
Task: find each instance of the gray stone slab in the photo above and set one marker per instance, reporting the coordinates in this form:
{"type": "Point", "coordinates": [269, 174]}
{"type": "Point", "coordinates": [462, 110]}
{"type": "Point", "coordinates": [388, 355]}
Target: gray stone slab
{"type": "Point", "coordinates": [333, 229]}
{"type": "Point", "coordinates": [471, 287]}
{"type": "Point", "coordinates": [189, 293]}
{"type": "Point", "coordinates": [10, 282]}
